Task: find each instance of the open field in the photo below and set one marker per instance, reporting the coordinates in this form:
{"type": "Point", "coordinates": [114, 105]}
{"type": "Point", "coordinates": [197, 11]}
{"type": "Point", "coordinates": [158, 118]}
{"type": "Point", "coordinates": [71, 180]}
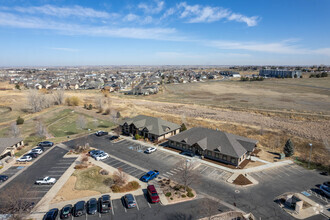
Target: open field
{"type": "Point", "coordinates": [270, 111]}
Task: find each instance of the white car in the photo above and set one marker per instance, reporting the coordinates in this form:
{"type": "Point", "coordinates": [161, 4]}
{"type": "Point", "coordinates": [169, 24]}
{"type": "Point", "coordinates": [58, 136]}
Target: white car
{"type": "Point", "coordinates": [36, 151]}
{"type": "Point", "coordinates": [150, 150]}
{"type": "Point", "coordinates": [101, 156]}
{"type": "Point", "coordinates": [45, 181]}
{"type": "Point", "coordinates": [24, 159]}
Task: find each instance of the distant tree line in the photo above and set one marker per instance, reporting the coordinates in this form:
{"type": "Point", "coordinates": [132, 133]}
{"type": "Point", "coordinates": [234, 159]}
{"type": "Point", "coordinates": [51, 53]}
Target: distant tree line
{"type": "Point", "coordinates": [258, 78]}
{"type": "Point", "coordinates": [319, 75]}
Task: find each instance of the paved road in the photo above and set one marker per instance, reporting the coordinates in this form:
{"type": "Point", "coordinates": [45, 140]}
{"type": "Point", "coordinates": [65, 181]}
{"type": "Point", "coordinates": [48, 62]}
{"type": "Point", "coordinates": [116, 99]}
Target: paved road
{"type": "Point", "coordinates": [256, 199]}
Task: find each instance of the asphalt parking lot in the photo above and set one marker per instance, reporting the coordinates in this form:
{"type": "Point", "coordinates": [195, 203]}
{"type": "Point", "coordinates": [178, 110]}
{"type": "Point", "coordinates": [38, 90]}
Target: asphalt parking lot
{"type": "Point", "coordinates": [258, 199]}
{"type": "Point", "coordinates": [52, 164]}
{"type": "Point", "coordinates": [12, 171]}
{"type": "Point", "coordinates": [189, 210]}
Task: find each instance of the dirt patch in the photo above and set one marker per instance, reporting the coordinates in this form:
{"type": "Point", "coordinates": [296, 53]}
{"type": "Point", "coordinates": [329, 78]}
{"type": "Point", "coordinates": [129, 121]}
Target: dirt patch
{"type": "Point", "coordinates": [251, 164]}
{"type": "Point", "coordinates": [68, 192]}
{"type": "Point", "coordinates": [242, 180]}
{"type": "Point", "coordinates": [268, 156]}
{"type": "Point", "coordinates": [175, 192]}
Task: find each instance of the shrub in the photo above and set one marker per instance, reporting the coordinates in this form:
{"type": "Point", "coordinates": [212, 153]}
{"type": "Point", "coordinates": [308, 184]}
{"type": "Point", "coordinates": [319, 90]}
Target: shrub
{"type": "Point", "coordinates": [137, 136]}
{"type": "Point", "coordinates": [80, 166]}
{"type": "Point", "coordinates": [100, 110]}
{"type": "Point", "coordinates": [171, 198]}
{"type": "Point", "coordinates": [104, 172]}
{"type": "Point", "coordinates": [168, 194]}
{"type": "Point", "coordinates": [288, 148]}
{"type": "Point", "coordinates": [115, 188]}
{"type": "Point", "coordinates": [108, 181]}
{"type": "Point", "coordinates": [107, 111]}
{"type": "Point", "coordinates": [183, 127]}
{"type": "Point", "coordinates": [190, 194]}
{"type": "Point", "coordinates": [85, 105]}
{"type": "Point", "coordinates": [90, 107]}
{"type": "Point", "coordinates": [177, 187]}
{"type": "Point", "coordinates": [84, 159]}
{"type": "Point", "coordinates": [19, 120]}
{"type": "Point", "coordinates": [72, 101]}
{"type": "Point", "coordinates": [189, 189]}
{"type": "Point", "coordinates": [183, 196]}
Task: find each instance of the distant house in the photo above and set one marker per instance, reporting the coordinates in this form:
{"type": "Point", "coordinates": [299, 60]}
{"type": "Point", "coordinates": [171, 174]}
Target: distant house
{"type": "Point", "coordinates": [9, 145]}
{"type": "Point", "coordinates": [155, 129]}
{"type": "Point", "coordinates": [214, 144]}
{"type": "Point", "coordinates": [280, 73]}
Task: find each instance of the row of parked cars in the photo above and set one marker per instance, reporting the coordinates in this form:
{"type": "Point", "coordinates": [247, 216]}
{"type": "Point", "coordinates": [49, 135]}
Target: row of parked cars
{"type": "Point", "coordinates": [98, 154]}
{"type": "Point", "coordinates": [102, 205]}
{"type": "Point", "coordinates": [35, 152]}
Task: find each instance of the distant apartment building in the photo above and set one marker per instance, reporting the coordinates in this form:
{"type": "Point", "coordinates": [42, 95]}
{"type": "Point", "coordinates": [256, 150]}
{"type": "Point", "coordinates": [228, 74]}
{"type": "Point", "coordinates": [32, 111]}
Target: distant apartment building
{"type": "Point", "coordinates": [280, 73]}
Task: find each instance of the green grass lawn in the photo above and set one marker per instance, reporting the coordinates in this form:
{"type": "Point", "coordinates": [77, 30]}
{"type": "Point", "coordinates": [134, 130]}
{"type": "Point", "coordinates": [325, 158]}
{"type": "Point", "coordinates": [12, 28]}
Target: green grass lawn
{"type": "Point", "coordinates": [91, 179]}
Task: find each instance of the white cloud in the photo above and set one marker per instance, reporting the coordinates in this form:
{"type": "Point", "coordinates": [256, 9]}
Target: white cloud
{"type": "Point", "coordinates": [51, 10]}
{"type": "Point", "coordinates": [282, 47]}
{"type": "Point", "coordinates": [201, 14]}
{"type": "Point", "coordinates": [11, 20]}
{"type": "Point", "coordinates": [133, 18]}
{"type": "Point", "coordinates": [168, 13]}
{"type": "Point", "coordinates": [152, 9]}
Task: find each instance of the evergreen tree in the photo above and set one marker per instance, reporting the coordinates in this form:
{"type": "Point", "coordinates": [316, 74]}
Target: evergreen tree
{"type": "Point", "coordinates": [183, 127]}
{"type": "Point", "coordinates": [288, 148]}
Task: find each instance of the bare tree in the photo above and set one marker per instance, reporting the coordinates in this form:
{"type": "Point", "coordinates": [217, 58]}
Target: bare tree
{"type": "Point", "coordinates": [113, 115]}
{"type": "Point", "coordinates": [117, 130]}
{"type": "Point", "coordinates": [15, 132]}
{"type": "Point", "coordinates": [120, 177]}
{"type": "Point", "coordinates": [34, 100]}
{"type": "Point", "coordinates": [99, 103]}
{"type": "Point", "coordinates": [41, 129]}
{"type": "Point", "coordinates": [58, 97]}
{"type": "Point", "coordinates": [81, 122]}
{"type": "Point", "coordinates": [96, 122]}
{"type": "Point", "coordinates": [186, 175]}
{"type": "Point", "coordinates": [15, 200]}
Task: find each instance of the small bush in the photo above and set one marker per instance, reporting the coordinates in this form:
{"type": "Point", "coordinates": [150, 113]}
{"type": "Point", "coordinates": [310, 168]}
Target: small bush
{"type": "Point", "coordinates": [107, 111]}
{"type": "Point", "coordinates": [19, 120]}
{"type": "Point", "coordinates": [115, 189]}
{"type": "Point", "coordinates": [72, 101]}
{"type": "Point", "coordinates": [80, 166]}
{"type": "Point", "coordinates": [108, 181]}
{"type": "Point", "coordinates": [190, 194]}
{"type": "Point", "coordinates": [100, 110]}
{"type": "Point", "coordinates": [104, 172]}
{"type": "Point", "coordinates": [137, 137]}
{"type": "Point", "coordinates": [177, 187]}
{"type": "Point", "coordinates": [84, 159]}
{"type": "Point", "coordinates": [188, 189]}
{"type": "Point", "coordinates": [183, 196]}
{"type": "Point", "coordinates": [168, 194]}
{"type": "Point", "coordinates": [171, 198]}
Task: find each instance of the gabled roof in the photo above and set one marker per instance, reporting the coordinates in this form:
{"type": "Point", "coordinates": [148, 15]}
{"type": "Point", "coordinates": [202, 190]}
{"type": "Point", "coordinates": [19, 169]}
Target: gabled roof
{"type": "Point", "coordinates": [8, 142]}
{"type": "Point", "coordinates": [154, 125]}
{"type": "Point", "coordinates": [213, 140]}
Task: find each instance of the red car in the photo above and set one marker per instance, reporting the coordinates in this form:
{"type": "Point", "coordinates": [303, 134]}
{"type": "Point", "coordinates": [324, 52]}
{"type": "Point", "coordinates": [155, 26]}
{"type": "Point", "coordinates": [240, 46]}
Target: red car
{"type": "Point", "coordinates": [152, 193]}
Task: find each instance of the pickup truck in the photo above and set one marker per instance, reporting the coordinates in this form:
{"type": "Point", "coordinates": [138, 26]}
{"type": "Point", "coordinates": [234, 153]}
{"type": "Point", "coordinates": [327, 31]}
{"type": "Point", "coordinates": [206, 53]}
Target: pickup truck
{"type": "Point", "coordinates": [150, 175]}
{"type": "Point", "coordinates": [46, 181]}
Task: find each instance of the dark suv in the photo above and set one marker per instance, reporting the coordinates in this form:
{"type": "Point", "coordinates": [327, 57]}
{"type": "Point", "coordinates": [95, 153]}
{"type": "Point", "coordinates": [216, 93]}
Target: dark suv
{"type": "Point", "coordinates": [79, 209]}
{"type": "Point", "coordinates": [104, 204]}
{"type": "Point", "coordinates": [45, 144]}
{"type": "Point", "coordinates": [51, 214]}
{"type": "Point", "coordinates": [92, 206]}
{"type": "Point", "coordinates": [3, 178]}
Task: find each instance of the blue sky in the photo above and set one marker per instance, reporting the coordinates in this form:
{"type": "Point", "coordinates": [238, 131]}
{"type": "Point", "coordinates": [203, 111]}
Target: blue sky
{"type": "Point", "coordinates": [160, 32]}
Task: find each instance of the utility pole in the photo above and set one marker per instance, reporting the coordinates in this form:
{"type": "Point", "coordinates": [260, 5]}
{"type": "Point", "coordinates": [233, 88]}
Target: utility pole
{"type": "Point", "coordinates": [310, 155]}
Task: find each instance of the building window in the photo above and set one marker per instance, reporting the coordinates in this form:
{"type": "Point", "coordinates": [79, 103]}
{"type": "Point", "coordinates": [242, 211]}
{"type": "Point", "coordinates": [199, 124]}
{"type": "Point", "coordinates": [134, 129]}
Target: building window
{"type": "Point", "coordinates": [233, 160]}
{"type": "Point", "coordinates": [224, 157]}
{"type": "Point", "coordinates": [217, 155]}
{"type": "Point", "coordinates": [209, 153]}
{"type": "Point", "coordinates": [184, 146]}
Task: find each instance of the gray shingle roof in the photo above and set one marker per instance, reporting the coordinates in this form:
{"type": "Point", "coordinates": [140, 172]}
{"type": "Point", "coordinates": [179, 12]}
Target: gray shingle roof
{"type": "Point", "coordinates": [154, 125]}
{"type": "Point", "coordinates": [228, 144]}
{"type": "Point", "coordinates": [8, 142]}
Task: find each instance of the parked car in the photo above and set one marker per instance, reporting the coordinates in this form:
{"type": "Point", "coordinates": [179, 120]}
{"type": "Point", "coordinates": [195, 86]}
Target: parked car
{"type": "Point", "coordinates": [324, 173]}
{"type": "Point", "coordinates": [150, 175]}
{"type": "Point", "coordinates": [150, 150]}
{"type": "Point", "coordinates": [46, 144]}
{"type": "Point", "coordinates": [129, 201]}
{"type": "Point", "coordinates": [33, 155]}
{"type": "Point", "coordinates": [102, 156]}
{"type": "Point", "coordinates": [51, 214]}
{"type": "Point", "coordinates": [40, 147]}
{"type": "Point", "coordinates": [104, 204]}
{"type": "Point", "coordinates": [152, 193]}
{"type": "Point", "coordinates": [92, 206]}
{"type": "Point", "coordinates": [96, 153]}
{"type": "Point", "coordinates": [66, 212]}
{"type": "Point", "coordinates": [36, 151]}
{"type": "Point", "coordinates": [79, 209]}
{"type": "Point", "coordinates": [24, 159]}
{"type": "Point", "coordinates": [3, 178]}
{"type": "Point", "coordinates": [325, 187]}
{"type": "Point", "coordinates": [46, 181]}
{"type": "Point", "coordinates": [101, 133]}
{"type": "Point", "coordinates": [114, 137]}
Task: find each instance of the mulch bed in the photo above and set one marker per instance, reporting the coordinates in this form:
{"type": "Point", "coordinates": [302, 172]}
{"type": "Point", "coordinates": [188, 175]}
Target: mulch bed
{"type": "Point", "coordinates": [244, 163]}
{"type": "Point", "coordinates": [242, 180]}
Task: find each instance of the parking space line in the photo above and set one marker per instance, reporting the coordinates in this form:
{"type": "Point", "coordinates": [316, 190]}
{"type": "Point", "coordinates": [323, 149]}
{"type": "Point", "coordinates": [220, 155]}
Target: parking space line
{"type": "Point", "coordinates": [203, 169]}
{"type": "Point", "coordinates": [112, 208]}
{"type": "Point", "coordinates": [165, 175]}
{"type": "Point", "coordinates": [172, 171]}
{"type": "Point", "coordinates": [149, 204]}
{"type": "Point", "coordinates": [137, 206]}
{"type": "Point", "coordinates": [60, 167]}
{"type": "Point", "coordinates": [55, 171]}
{"type": "Point", "coordinates": [169, 173]}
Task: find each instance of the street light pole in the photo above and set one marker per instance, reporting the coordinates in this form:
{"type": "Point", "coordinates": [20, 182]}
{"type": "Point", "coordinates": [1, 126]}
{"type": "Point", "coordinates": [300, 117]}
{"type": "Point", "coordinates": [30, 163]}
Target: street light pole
{"type": "Point", "coordinates": [310, 154]}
